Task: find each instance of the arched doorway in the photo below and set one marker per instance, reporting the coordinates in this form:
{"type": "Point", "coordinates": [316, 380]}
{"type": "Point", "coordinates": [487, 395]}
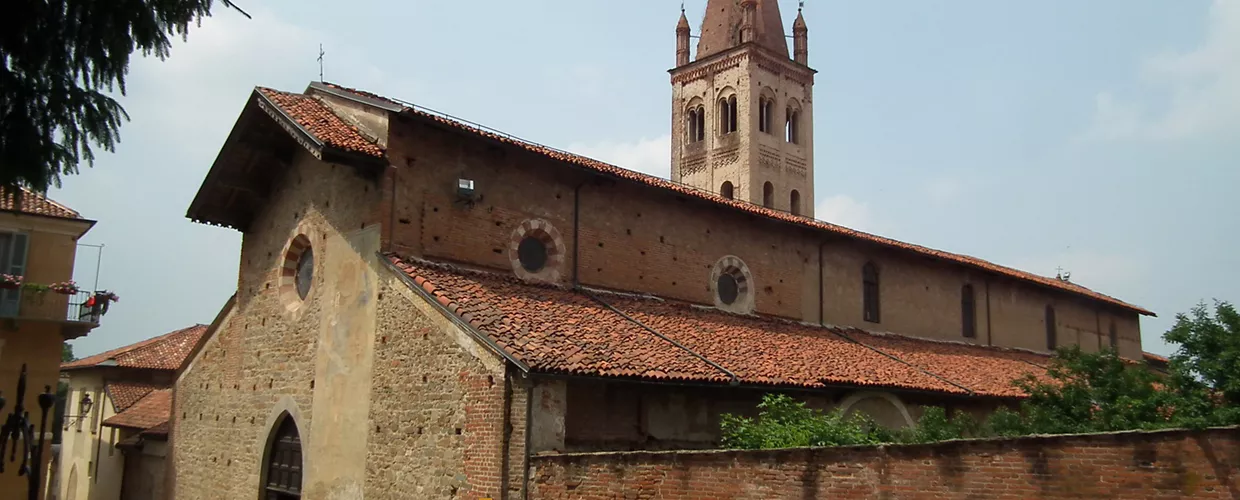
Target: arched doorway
{"type": "Point", "coordinates": [282, 462]}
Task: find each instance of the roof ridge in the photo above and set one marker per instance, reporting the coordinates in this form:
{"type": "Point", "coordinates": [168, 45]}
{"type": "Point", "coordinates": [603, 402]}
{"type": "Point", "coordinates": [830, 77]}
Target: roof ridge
{"type": "Point", "coordinates": [959, 258]}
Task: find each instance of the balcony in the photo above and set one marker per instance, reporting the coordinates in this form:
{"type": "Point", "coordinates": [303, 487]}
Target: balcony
{"type": "Point", "coordinates": [77, 313]}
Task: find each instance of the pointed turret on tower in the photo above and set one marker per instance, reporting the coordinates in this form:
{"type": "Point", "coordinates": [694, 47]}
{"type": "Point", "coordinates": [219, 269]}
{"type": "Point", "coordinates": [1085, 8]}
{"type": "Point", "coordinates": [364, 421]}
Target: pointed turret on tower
{"type": "Point", "coordinates": [682, 38]}
{"type": "Point", "coordinates": [800, 38]}
{"type": "Point", "coordinates": [743, 109]}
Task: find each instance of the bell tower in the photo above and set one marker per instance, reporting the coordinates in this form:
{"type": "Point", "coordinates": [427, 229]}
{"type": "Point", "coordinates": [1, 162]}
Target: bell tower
{"type": "Point", "coordinates": [742, 108]}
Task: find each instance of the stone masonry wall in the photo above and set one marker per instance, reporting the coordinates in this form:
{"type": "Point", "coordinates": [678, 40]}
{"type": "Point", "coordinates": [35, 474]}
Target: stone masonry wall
{"type": "Point", "coordinates": [437, 406]}
{"type": "Point", "coordinates": [1134, 465]}
{"type": "Point", "coordinates": [263, 358]}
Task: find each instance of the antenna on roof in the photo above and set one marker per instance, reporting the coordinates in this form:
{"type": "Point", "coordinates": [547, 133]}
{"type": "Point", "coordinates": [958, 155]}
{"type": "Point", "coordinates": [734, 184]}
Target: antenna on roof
{"type": "Point", "coordinates": [321, 54]}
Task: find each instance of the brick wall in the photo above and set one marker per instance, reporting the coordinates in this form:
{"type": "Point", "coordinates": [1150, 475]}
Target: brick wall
{"type": "Point", "coordinates": [1135, 465]}
{"type": "Point", "coordinates": [633, 237]}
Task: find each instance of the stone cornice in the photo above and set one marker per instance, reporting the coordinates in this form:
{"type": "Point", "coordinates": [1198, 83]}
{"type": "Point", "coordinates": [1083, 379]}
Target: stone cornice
{"type": "Point", "coordinates": [780, 66]}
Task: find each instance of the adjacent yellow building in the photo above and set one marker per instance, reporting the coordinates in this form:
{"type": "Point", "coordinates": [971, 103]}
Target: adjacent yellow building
{"type": "Point", "coordinates": [40, 308]}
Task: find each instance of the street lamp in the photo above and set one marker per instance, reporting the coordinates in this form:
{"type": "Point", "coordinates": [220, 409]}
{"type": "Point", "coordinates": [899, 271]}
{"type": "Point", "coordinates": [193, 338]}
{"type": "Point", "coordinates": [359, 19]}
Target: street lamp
{"type": "Point", "coordinates": [84, 407]}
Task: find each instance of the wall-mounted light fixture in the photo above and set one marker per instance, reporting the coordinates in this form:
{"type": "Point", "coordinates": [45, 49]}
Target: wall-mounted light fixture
{"type": "Point", "coordinates": [84, 407]}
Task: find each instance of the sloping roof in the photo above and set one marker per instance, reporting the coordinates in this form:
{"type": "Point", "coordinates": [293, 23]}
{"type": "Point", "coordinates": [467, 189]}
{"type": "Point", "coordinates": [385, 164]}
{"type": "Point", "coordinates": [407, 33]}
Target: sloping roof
{"type": "Point", "coordinates": [165, 352]}
{"type": "Point", "coordinates": [321, 122]}
{"type": "Point", "coordinates": [125, 394]}
{"type": "Point", "coordinates": [751, 208]}
{"type": "Point", "coordinates": [34, 203]}
{"type": "Point", "coordinates": [152, 410]}
{"type": "Point", "coordinates": [561, 331]}
{"type": "Point", "coordinates": [722, 23]}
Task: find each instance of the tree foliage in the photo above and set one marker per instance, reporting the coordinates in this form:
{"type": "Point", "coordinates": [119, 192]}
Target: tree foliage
{"type": "Point", "coordinates": [1081, 393]}
{"type": "Point", "coordinates": [66, 353]}
{"type": "Point", "coordinates": [59, 59]}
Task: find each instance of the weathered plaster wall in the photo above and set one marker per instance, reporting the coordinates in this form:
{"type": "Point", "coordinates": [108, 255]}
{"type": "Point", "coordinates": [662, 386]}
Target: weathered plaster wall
{"type": "Point", "coordinates": [1168, 464]}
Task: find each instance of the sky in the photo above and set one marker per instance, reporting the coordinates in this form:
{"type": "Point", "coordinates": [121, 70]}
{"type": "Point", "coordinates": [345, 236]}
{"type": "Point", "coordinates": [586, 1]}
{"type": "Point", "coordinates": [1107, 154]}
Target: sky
{"type": "Point", "coordinates": [1099, 137]}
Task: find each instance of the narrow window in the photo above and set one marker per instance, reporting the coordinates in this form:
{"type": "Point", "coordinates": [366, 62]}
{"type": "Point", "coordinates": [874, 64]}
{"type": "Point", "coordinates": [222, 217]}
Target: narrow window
{"type": "Point", "coordinates": [761, 114]}
{"type": "Point", "coordinates": [12, 261]}
{"type": "Point", "coordinates": [726, 190]}
{"type": "Point", "coordinates": [283, 463]}
{"type": "Point", "coordinates": [723, 116]}
{"type": "Point", "coordinates": [968, 313]}
{"type": "Point", "coordinates": [770, 106]}
{"type": "Point", "coordinates": [732, 114]}
{"type": "Point", "coordinates": [691, 122]}
{"type": "Point", "coordinates": [869, 292]}
{"type": "Point", "coordinates": [1051, 330]}
{"type": "Point", "coordinates": [768, 195]}
{"type": "Point", "coordinates": [793, 126]}
{"type": "Point", "coordinates": [794, 202]}
{"type": "Point", "coordinates": [701, 128]}
{"type": "Point", "coordinates": [1114, 337]}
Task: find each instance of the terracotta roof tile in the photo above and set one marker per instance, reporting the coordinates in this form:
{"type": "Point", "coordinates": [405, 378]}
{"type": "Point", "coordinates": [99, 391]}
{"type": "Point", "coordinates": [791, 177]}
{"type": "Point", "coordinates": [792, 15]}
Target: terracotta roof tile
{"type": "Point", "coordinates": [650, 180]}
{"type": "Point", "coordinates": [165, 352]}
{"type": "Point", "coordinates": [558, 330]}
{"type": "Point", "coordinates": [151, 411]}
{"type": "Point", "coordinates": [317, 119]}
{"type": "Point", "coordinates": [34, 203]}
{"type": "Point", "coordinates": [125, 394]}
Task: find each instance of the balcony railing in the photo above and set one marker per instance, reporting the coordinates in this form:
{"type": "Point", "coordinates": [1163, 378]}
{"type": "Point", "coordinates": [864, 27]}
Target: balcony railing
{"type": "Point", "coordinates": [79, 312]}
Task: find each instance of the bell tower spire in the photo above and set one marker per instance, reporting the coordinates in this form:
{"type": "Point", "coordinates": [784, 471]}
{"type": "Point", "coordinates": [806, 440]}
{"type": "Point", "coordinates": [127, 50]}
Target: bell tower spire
{"type": "Point", "coordinates": [742, 110]}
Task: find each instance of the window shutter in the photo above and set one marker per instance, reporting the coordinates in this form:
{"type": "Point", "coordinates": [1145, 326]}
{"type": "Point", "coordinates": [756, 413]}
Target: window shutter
{"type": "Point", "coordinates": [10, 300]}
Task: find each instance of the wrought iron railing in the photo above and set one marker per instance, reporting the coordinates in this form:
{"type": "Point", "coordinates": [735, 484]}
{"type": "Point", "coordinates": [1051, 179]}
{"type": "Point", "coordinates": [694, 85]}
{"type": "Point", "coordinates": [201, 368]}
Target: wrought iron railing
{"type": "Point", "coordinates": [18, 437]}
{"type": "Point", "coordinates": [80, 307]}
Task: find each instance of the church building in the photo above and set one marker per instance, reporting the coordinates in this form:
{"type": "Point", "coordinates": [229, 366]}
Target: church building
{"type": "Point", "coordinates": [424, 303]}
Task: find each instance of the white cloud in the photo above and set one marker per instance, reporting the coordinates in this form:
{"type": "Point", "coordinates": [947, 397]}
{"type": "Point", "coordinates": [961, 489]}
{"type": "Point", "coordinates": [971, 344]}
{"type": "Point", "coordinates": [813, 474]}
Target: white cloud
{"type": "Point", "coordinates": [846, 211]}
{"type": "Point", "coordinates": [650, 156]}
{"type": "Point", "coordinates": [1200, 89]}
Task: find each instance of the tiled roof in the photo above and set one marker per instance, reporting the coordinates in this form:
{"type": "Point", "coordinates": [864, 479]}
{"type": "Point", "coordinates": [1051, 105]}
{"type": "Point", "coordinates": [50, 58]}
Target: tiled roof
{"type": "Point", "coordinates": [151, 411]}
{"type": "Point", "coordinates": [321, 122]}
{"type": "Point", "coordinates": [558, 330]}
{"type": "Point", "coordinates": [165, 352]}
{"type": "Point", "coordinates": [125, 394]}
{"type": "Point", "coordinates": [34, 203]}
{"type": "Point", "coordinates": [650, 180]}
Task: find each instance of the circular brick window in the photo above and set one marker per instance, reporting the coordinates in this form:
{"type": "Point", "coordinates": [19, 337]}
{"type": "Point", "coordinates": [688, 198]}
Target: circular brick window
{"type": "Point", "coordinates": [297, 273]}
{"type": "Point", "coordinates": [532, 253]}
{"type": "Point", "coordinates": [731, 284]}
{"type": "Point", "coordinates": [536, 251]}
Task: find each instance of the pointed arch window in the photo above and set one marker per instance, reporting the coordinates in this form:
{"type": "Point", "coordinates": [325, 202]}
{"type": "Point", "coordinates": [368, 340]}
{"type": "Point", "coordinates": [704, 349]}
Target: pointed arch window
{"type": "Point", "coordinates": [968, 312]}
{"type": "Point", "coordinates": [794, 202]}
{"type": "Point", "coordinates": [768, 195]}
{"type": "Point", "coordinates": [870, 293]}
{"type": "Point", "coordinates": [282, 467]}
{"type": "Point", "coordinates": [1052, 331]}
{"type": "Point", "coordinates": [726, 190]}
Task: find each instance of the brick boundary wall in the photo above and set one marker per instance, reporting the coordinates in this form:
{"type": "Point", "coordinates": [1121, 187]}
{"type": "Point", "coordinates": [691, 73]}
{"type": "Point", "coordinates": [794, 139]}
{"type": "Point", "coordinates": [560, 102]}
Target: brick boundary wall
{"type": "Point", "coordinates": [1128, 465]}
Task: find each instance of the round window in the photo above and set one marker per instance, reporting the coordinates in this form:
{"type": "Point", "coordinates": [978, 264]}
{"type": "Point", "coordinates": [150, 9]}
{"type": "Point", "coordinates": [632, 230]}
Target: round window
{"type": "Point", "coordinates": [727, 288]}
{"type": "Point", "coordinates": [532, 252]}
{"type": "Point", "coordinates": [305, 273]}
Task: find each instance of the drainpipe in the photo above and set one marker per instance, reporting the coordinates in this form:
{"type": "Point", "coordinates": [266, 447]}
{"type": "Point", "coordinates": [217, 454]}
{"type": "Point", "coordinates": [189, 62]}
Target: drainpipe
{"type": "Point", "coordinates": [989, 333]}
{"type": "Point", "coordinates": [529, 427]}
{"type": "Point", "coordinates": [577, 231]}
{"type": "Point", "coordinates": [822, 320]}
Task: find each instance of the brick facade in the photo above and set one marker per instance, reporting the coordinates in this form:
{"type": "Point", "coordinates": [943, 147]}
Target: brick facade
{"type": "Point", "coordinates": [1133, 465]}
